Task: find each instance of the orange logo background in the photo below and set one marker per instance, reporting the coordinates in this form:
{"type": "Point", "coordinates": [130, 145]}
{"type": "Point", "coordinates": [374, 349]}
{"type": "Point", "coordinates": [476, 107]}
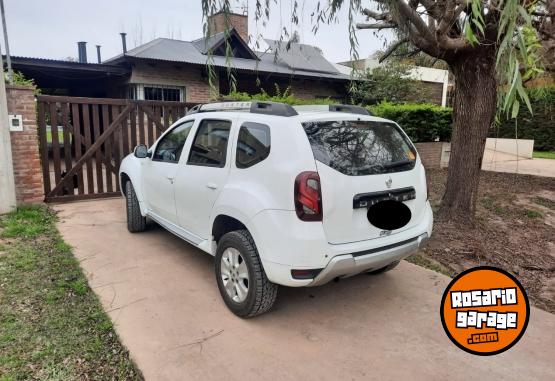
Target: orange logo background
{"type": "Point", "coordinates": [485, 340]}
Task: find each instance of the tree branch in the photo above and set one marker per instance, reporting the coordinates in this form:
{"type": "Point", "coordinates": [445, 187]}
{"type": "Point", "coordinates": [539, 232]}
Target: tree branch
{"type": "Point", "coordinates": [379, 26]}
{"type": "Point", "coordinates": [414, 19]}
{"type": "Point", "coordinates": [392, 48]}
{"type": "Point", "coordinates": [376, 15]}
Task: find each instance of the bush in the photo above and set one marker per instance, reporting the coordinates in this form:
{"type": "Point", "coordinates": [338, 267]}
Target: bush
{"type": "Point", "coordinates": [282, 97]}
{"type": "Point", "coordinates": [539, 126]}
{"type": "Point", "coordinates": [421, 122]}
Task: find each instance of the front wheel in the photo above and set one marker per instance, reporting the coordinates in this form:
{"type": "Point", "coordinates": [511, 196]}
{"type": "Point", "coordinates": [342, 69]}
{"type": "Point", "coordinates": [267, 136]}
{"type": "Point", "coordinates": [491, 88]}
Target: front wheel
{"type": "Point", "coordinates": [242, 282]}
{"type": "Point", "coordinates": [135, 221]}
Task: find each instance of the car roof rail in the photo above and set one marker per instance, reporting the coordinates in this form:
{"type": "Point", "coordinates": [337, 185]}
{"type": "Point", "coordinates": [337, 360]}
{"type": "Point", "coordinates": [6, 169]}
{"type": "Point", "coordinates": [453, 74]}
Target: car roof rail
{"type": "Point", "coordinates": [333, 108]}
{"type": "Point", "coordinates": [255, 107]}
{"type": "Point", "coordinates": [350, 108]}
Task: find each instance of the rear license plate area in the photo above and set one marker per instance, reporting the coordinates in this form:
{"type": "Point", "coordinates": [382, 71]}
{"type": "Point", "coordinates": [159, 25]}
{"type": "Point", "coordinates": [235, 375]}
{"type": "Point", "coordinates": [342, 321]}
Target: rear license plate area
{"type": "Point", "coordinates": [366, 200]}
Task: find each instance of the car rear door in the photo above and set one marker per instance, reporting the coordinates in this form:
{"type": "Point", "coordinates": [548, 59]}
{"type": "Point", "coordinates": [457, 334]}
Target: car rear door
{"type": "Point", "coordinates": [202, 176]}
{"type": "Point", "coordinates": [361, 163]}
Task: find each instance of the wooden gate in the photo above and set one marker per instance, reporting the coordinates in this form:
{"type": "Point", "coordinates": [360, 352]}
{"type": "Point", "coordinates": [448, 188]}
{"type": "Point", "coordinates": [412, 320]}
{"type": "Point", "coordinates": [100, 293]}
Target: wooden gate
{"type": "Point", "coordinates": [83, 140]}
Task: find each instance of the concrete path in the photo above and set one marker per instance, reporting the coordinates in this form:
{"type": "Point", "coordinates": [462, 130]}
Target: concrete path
{"type": "Point", "coordinates": [503, 162]}
{"type": "Point", "coordinates": [163, 298]}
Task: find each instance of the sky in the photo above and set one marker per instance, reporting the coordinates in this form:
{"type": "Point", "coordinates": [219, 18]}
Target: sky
{"type": "Point", "coordinates": [51, 28]}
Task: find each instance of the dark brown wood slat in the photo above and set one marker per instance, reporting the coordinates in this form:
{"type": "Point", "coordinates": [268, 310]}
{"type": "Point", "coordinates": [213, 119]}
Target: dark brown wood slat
{"type": "Point", "coordinates": [98, 159]}
{"type": "Point", "coordinates": [92, 196]}
{"type": "Point", "coordinates": [75, 110]}
{"type": "Point", "coordinates": [166, 113]}
{"type": "Point", "coordinates": [141, 114]}
{"type": "Point", "coordinates": [88, 143]}
{"type": "Point", "coordinates": [55, 142]}
{"type": "Point", "coordinates": [114, 112]}
{"type": "Point", "coordinates": [97, 144]}
{"type": "Point", "coordinates": [151, 117]}
{"type": "Point", "coordinates": [133, 128]}
{"type": "Point", "coordinates": [149, 125]}
{"type": "Point", "coordinates": [81, 100]}
{"type": "Point", "coordinates": [125, 136]}
{"type": "Point", "coordinates": [43, 146]}
{"type": "Point", "coordinates": [107, 150]}
{"type": "Point", "coordinates": [67, 140]}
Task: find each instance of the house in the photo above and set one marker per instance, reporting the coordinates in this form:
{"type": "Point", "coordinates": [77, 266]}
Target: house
{"type": "Point", "coordinates": [175, 70]}
{"type": "Point", "coordinates": [433, 82]}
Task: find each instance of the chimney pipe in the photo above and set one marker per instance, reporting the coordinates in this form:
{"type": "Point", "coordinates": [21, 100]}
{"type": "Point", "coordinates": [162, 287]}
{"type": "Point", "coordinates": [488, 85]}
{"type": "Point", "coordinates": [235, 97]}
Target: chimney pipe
{"type": "Point", "coordinates": [82, 51]}
{"type": "Point", "coordinates": [98, 54]}
{"type": "Point", "coordinates": [123, 42]}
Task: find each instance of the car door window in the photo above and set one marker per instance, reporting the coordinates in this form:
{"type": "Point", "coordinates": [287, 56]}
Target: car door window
{"type": "Point", "coordinates": [170, 146]}
{"type": "Point", "coordinates": [253, 144]}
{"type": "Point", "coordinates": [210, 145]}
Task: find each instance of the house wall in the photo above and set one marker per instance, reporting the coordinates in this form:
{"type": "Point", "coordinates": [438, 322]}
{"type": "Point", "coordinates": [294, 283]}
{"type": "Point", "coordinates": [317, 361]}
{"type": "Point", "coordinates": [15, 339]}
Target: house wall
{"type": "Point", "coordinates": [191, 77]}
{"type": "Point", "coordinates": [25, 146]}
{"type": "Point", "coordinates": [314, 89]}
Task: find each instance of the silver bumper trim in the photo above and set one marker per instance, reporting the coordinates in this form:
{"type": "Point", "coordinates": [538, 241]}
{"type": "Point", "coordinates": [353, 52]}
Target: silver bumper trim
{"type": "Point", "coordinates": [346, 264]}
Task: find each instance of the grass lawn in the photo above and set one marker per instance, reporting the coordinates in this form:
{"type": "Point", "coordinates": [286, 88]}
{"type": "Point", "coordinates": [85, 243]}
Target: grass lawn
{"type": "Point", "coordinates": [52, 326]}
{"type": "Point", "coordinates": [543, 155]}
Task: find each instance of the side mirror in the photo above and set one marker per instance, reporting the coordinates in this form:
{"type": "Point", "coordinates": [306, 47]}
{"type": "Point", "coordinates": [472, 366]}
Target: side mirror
{"type": "Point", "coordinates": [141, 151]}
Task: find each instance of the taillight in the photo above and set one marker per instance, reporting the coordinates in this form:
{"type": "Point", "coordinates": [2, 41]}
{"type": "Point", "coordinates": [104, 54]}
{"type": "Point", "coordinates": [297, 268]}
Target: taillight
{"type": "Point", "coordinates": [308, 197]}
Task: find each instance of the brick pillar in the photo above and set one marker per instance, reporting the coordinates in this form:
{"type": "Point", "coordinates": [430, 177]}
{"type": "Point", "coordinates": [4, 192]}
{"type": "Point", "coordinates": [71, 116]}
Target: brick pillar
{"type": "Point", "coordinates": [25, 146]}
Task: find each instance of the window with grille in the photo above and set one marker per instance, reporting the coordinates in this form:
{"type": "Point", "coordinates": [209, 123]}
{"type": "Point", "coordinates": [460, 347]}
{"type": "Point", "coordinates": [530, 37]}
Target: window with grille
{"type": "Point", "coordinates": [156, 92]}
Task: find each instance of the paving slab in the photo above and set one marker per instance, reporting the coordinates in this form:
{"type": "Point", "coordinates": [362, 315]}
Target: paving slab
{"type": "Point", "coordinates": [503, 162]}
{"type": "Point", "coordinates": [162, 296]}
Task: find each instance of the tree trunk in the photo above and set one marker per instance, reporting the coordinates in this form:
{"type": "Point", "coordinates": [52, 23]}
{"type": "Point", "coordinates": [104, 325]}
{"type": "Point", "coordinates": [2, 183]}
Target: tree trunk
{"type": "Point", "coordinates": [473, 113]}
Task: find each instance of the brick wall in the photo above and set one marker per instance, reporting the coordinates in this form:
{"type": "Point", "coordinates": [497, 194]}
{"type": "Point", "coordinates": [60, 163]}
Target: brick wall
{"type": "Point", "coordinates": [430, 153]}
{"type": "Point", "coordinates": [192, 78]}
{"type": "Point", "coordinates": [216, 24]}
{"type": "Point", "coordinates": [25, 146]}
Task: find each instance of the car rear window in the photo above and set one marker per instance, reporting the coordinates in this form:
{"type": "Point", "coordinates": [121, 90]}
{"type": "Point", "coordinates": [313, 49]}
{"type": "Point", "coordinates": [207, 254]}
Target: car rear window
{"type": "Point", "coordinates": [358, 148]}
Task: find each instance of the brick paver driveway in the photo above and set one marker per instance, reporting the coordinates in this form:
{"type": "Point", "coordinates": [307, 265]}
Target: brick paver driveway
{"type": "Point", "coordinates": [163, 298]}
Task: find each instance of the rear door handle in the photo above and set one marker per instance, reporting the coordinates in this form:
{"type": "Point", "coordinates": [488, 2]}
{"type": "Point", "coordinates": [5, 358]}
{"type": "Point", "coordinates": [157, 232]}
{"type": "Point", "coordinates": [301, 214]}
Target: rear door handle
{"type": "Point", "coordinates": [170, 178]}
{"type": "Point", "coordinates": [211, 186]}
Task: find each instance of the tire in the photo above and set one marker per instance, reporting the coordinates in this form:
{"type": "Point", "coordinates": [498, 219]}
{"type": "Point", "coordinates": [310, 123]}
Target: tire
{"type": "Point", "coordinates": [260, 293]}
{"type": "Point", "coordinates": [135, 221]}
{"type": "Point", "coordinates": [384, 269]}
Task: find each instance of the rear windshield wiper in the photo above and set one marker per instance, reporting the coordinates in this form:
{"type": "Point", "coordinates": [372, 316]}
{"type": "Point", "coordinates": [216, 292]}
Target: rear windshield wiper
{"type": "Point", "coordinates": [399, 163]}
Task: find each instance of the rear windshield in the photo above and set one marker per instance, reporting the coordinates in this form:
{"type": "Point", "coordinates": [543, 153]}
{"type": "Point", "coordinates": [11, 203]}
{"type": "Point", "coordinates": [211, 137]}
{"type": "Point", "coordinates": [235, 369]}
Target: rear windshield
{"type": "Point", "coordinates": [358, 148]}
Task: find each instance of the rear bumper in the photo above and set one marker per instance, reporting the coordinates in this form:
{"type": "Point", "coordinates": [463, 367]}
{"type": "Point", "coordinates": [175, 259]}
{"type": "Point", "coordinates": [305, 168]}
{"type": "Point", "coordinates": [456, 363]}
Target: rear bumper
{"type": "Point", "coordinates": [352, 264]}
{"type": "Point", "coordinates": [285, 243]}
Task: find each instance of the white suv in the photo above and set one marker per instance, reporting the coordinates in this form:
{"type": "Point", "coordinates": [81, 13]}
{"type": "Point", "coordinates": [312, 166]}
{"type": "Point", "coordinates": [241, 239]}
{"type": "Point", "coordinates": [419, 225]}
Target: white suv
{"type": "Point", "coordinates": [282, 195]}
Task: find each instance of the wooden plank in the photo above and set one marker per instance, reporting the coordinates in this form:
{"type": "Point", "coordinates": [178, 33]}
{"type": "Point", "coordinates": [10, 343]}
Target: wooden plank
{"type": "Point", "coordinates": [133, 128]}
{"type": "Point", "coordinates": [77, 142]}
{"type": "Point", "coordinates": [68, 198]}
{"type": "Point", "coordinates": [166, 115]}
{"type": "Point", "coordinates": [149, 125]}
{"type": "Point", "coordinates": [141, 126]}
{"type": "Point", "coordinates": [55, 142]}
{"type": "Point", "coordinates": [125, 136]}
{"type": "Point", "coordinates": [152, 117]}
{"type": "Point", "coordinates": [81, 100]}
{"type": "Point", "coordinates": [98, 159]}
{"type": "Point", "coordinates": [97, 144]}
{"type": "Point", "coordinates": [107, 150]}
{"type": "Point", "coordinates": [67, 138]}
{"type": "Point", "coordinates": [88, 142]}
{"type": "Point", "coordinates": [43, 147]}
{"type": "Point", "coordinates": [114, 112]}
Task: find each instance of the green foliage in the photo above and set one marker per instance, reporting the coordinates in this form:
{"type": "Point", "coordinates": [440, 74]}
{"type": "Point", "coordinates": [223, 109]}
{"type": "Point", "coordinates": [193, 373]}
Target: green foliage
{"type": "Point", "coordinates": [539, 126]}
{"type": "Point", "coordinates": [52, 326]}
{"type": "Point", "coordinates": [19, 79]}
{"type": "Point", "coordinates": [421, 122]}
{"type": "Point", "coordinates": [388, 83]}
{"type": "Point", "coordinates": [283, 97]}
